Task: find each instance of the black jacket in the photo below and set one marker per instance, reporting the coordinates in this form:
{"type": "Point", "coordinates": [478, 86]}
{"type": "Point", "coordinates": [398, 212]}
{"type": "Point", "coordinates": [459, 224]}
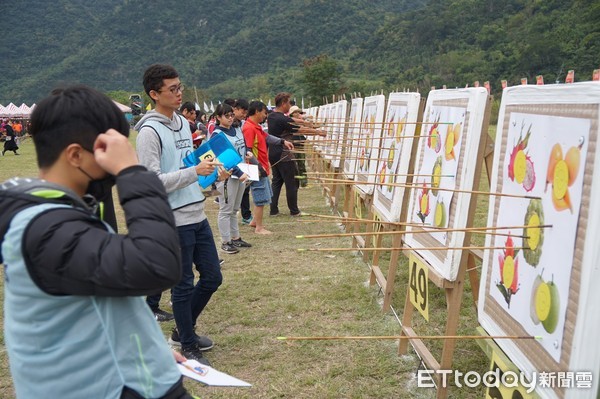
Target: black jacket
{"type": "Point", "coordinates": [69, 251]}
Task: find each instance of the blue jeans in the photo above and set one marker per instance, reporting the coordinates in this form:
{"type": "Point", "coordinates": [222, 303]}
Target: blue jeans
{"type": "Point", "coordinates": [197, 247]}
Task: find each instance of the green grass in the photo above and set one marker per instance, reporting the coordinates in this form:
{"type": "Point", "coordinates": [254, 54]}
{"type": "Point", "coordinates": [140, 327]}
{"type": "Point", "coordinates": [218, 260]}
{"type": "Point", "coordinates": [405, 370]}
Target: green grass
{"type": "Point", "coordinates": [272, 290]}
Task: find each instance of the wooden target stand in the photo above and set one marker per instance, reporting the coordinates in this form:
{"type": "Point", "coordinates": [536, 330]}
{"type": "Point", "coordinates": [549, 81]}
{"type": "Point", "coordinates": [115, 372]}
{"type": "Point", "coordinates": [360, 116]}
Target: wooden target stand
{"type": "Point", "coordinates": [376, 275]}
{"type": "Point", "coordinates": [422, 273]}
{"type": "Point", "coordinates": [332, 190]}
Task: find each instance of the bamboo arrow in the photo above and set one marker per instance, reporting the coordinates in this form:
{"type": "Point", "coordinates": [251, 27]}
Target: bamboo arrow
{"type": "Point", "coordinates": [434, 229]}
{"type": "Point", "coordinates": [377, 174]}
{"type": "Point", "coordinates": [399, 232]}
{"type": "Point", "coordinates": [405, 249]}
{"type": "Point", "coordinates": [352, 139]}
{"type": "Point", "coordinates": [340, 121]}
{"type": "Point", "coordinates": [420, 337]}
{"type": "Point", "coordinates": [423, 185]}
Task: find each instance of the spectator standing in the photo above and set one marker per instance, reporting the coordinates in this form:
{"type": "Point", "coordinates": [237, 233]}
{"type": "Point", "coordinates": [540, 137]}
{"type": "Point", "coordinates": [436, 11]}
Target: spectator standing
{"type": "Point", "coordinates": [10, 141]}
{"type": "Point", "coordinates": [240, 110]}
{"type": "Point", "coordinates": [77, 292]}
{"type": "Point", "coordinates": [164, 140]}
{"type": "Point", "coordinates": [283, 162]}
{"type": "Point", "coordinates": [257, 140]}
{"type": "Point", "coordinates": [297, 115]}
{"type": "Point", "coordinates": [232, 189]}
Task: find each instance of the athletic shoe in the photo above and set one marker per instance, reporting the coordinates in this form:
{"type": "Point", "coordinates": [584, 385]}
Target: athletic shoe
{"type": "Point", "coordinates": [204, 343]}
{"type": "Point", "coordinates": [229, 248]}
{"type": "Point", "coordinates": [221, 261]}
{"type": "Point", "coordinates": [217, 200]}
{"type": "Point", "coordinates": [296, 214]}
{"type": "Point", "coordinates": [160, 315]}
{"type": "Point", "coordinates": [194, 353]}
{"type": "Point", "coordinates": [239, 243]}
{"type": "Point", "coordinates": [247, 221]}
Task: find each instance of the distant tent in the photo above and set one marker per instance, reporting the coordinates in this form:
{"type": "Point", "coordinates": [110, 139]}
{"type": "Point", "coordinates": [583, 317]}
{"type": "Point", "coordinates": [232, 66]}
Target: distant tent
{"type": "Point", "coordinates": [24, 110]}
{"type": "Point", "coordinates": [124, 108]}
{"type": "Point", "coordinates": [10, 111]}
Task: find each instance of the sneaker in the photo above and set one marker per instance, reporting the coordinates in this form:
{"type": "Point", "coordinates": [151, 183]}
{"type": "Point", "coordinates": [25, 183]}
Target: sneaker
{"type": "Point", "coordinates": [204, 343]}
{"type": "Point", "coordinates": [217, 200]}
{"type": "Point", "coordinates": [296, 214]}
{"type": "Point", "coordinates": [160, 315]}
{"type": "Point", "coordinates": [273, 213]}
{"type": "Point", "coordinates": [194, 353]}
{"type": "Point", "coordinates": [247, 221]}
{"type": "Point", "coordinates": [221, 261]}
{"type": "Point", "coordinates": [229, 248]}
{"type": "Point", "coordinates": [239, 243]}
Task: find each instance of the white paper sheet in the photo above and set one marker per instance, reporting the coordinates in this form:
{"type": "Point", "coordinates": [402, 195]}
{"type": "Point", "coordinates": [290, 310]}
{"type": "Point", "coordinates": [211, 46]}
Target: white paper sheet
{"type": "Point", "coordinates": [208, 375]}
{"type": "Point", "coordinates": [250, 170]}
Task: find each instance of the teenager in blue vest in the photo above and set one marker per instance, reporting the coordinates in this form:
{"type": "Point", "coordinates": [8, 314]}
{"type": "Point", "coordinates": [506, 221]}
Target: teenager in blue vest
{"type": "Point", "coordinates": [164, 140]}
{"type": "Point", "coordinates": [232, 189]}
{"type": "Point", "coordinates": [75, 322]}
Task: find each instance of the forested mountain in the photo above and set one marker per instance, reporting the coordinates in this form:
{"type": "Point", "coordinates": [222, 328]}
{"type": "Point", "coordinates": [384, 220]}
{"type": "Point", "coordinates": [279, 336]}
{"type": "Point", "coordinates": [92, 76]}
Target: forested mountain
{"type": "Point", "coordinates": [255, 48]}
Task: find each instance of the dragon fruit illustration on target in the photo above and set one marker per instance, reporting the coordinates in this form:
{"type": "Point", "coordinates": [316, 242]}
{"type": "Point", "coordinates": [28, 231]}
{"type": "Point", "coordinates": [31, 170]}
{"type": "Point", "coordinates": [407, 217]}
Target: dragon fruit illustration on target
{"type": "Point", "coordinates": [520, 167]}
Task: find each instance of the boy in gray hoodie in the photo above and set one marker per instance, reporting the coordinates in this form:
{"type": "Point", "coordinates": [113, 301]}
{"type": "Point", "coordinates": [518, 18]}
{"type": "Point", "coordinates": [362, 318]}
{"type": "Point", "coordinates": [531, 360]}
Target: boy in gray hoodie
{"type": "Point", "coordinates": [163, 141]}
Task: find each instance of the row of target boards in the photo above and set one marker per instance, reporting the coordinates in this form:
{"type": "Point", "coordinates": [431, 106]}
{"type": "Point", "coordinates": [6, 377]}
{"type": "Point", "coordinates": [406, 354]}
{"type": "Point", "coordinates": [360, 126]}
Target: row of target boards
{"type": "Point", "coordinates": [538, 278]}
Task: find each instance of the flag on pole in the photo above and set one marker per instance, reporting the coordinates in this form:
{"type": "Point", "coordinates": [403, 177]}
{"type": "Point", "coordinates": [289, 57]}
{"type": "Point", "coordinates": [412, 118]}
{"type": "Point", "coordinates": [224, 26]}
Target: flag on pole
{"type": "Point", "coordinates": [196, 106]}
{"type": "Point", "coordinates": [212, 107]}
{"type": "Point", "coordinates": [206, 107]}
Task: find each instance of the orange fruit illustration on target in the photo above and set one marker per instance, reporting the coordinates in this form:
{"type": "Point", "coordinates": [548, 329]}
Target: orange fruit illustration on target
{"type": "Point", "coordinates": [562, 173]}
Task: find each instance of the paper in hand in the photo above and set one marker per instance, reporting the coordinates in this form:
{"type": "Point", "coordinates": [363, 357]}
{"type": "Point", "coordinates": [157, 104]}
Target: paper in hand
{"type": "Point", "coordinates": [249, 169]}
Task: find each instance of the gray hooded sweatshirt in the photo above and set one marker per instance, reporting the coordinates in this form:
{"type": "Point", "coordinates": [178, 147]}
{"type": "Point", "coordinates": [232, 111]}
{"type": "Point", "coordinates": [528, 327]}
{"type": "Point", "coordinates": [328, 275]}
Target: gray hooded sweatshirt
{"type": "Point", "coordinates": [149, 150]}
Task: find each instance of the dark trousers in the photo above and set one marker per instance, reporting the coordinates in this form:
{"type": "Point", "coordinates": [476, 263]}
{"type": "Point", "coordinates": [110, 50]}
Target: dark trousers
{"type": "Point", "coordinates": [245, 205]}
{"type": "Point", "coordinates": [285, 173]}
{"type": "Point", "coordinates": [153, 301]}
{"type": "Point", "coordinates": [189, 299]}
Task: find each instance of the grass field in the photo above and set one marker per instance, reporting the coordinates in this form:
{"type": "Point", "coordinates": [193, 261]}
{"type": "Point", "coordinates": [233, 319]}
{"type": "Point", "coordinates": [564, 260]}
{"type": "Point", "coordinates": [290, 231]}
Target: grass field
{"type": "Point", "coordinates": [272, 290]}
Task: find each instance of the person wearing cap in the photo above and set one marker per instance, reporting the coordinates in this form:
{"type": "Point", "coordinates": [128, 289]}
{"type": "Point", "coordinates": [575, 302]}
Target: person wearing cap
{"type": "Point", "coordinates": [283, 162]}
{"type": "Point", "coordinates": [296, 114]}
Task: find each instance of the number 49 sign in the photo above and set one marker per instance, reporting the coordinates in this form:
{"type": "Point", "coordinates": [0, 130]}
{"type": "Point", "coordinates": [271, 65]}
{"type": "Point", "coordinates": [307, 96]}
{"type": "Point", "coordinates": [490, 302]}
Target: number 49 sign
{"type": "Point", "coordinates": [418, 280]}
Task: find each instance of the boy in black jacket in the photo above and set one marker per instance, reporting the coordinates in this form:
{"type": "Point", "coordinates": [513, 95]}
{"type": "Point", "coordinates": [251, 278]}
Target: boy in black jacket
{"type": "Point", "coordinates": [73, 305]}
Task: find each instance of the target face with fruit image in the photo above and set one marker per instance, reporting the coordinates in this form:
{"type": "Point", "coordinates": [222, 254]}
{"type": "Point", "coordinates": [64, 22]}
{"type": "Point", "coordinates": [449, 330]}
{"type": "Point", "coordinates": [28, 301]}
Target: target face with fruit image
{"type": "Point", "coordinates": [394, 154]}
{"type": "Point", "coordinates": [541, 164]}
